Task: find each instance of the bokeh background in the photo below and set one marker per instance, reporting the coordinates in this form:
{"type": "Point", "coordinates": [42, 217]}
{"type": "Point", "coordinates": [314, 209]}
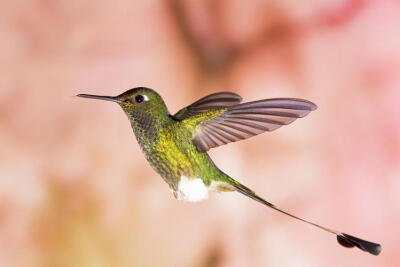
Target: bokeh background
{"type": "Point", "coordinates": [75, 189]}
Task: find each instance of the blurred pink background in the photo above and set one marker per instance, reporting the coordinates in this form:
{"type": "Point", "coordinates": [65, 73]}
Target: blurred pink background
{"type": "Point", "coordinates": [75, 189]}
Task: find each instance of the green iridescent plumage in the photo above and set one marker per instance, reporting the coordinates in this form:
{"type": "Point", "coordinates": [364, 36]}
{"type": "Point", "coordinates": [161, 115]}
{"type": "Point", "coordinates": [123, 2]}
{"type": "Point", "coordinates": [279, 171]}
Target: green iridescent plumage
{"type": "Point", "coordinates": [166, 141]}
{"type": "Point", "coordinates": [176, 145]}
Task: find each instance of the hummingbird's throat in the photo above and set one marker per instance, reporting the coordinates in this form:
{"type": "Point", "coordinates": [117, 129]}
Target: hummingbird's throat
{"type": "Point", "coordinates": [144, 124]}
{"type": "Point", "coordinates": [147, 125]}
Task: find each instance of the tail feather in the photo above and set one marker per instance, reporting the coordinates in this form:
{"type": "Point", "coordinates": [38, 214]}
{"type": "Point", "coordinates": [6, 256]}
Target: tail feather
{"type": "Point", "coordinates": [343, 239]}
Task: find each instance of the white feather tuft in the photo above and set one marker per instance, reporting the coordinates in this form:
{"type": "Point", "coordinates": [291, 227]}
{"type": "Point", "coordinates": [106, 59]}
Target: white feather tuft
{"type": "Point", "coordinates": [191, 189]}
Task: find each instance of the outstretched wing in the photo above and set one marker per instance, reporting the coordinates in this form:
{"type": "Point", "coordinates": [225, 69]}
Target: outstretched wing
{"type": "Point", "coordinates": [213, 101]}
{"type": "Point", "coordinates": [248, 119]}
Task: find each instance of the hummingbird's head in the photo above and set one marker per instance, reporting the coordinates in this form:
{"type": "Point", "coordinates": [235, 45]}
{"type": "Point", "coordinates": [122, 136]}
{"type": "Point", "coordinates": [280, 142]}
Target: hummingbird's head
{"type": "Point", "coordinates": [143, 100]}
{"type": "Point", "coordinates": [139, 103]}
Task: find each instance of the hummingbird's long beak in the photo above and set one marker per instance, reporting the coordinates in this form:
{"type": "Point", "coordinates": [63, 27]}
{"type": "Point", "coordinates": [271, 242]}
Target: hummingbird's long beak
{"type": "Point", "coordinates": [101, 97]}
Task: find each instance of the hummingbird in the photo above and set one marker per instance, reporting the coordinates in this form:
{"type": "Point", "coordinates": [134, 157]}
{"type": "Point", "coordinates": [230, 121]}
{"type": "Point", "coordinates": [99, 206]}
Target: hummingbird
{"type": "Point", "coordinates": [176, 145]}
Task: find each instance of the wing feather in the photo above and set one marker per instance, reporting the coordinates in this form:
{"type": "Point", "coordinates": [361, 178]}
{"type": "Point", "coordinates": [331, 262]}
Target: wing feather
{"type": "Point", "coordinates": [213, 101]}
{"type": "Point", "coordinates": [245, 120]}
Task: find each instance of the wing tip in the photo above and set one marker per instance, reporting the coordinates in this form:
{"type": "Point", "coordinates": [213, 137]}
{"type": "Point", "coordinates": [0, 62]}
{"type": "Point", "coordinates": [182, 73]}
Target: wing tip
{"type": "Point", "coordinates": [310, 105]}
{"type": "Point", "coordinates": [349, 241]}
{"type": "Point", "coordinates": [313, 106]}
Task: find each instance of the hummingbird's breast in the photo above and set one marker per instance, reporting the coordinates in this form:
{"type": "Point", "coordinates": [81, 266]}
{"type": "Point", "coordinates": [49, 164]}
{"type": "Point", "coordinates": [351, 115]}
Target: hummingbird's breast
{"type": "Point", "coordinates": [173, 155]}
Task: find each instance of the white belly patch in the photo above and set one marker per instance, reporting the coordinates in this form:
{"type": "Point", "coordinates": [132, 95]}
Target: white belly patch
{"type": "Point", "coordinates": [191, 189]}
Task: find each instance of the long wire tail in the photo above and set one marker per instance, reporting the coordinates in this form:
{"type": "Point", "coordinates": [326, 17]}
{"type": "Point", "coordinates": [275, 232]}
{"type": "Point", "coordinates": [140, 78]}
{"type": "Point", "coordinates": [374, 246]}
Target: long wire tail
{"type": "Point", "coordinates": [343, 239]}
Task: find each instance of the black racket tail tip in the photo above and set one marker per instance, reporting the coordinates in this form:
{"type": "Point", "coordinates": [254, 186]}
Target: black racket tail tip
{"type": "Point", "coordinates": [350, 241]}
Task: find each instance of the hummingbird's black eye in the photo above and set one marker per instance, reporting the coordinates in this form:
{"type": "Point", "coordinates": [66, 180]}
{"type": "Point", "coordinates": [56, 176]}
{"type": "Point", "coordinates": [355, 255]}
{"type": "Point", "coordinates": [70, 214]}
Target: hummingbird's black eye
{"type": "Point", "coordinates": [139, 99]}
